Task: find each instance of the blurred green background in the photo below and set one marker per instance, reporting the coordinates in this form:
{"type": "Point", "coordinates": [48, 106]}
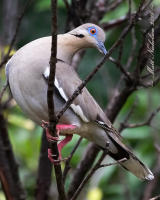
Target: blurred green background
{"type": "Point", "coordinates": [108, 183]}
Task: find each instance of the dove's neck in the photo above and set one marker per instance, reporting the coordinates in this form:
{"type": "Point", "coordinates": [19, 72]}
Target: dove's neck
{"type": "Point", "coordinates": [67, 46]}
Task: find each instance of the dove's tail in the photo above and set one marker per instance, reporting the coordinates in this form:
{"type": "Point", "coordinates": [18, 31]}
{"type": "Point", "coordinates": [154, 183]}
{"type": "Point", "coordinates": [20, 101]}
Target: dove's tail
{"type": "Point", "coordinates": [135, 166]}
{"type": "Point", "coordinates": [132, 164]}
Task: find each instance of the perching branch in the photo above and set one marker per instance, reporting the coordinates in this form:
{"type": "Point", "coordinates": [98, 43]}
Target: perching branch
{"type": "Point", "coordinates": [50, 93]}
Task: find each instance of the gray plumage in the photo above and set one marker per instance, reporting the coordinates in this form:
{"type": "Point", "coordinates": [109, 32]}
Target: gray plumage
{"type": "Point", "coordinates": [27, 72]}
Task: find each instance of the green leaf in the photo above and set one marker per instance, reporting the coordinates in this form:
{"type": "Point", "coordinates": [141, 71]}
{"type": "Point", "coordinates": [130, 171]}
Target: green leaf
{"type": "Point", "coordinates": [136, 133]}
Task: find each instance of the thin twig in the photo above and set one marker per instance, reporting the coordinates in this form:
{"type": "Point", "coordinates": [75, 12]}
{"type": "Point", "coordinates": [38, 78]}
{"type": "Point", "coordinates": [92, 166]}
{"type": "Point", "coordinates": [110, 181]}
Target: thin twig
{"type": "Point", "coordinates": [113, 5]}
{"type": "Point", "coordinates": [7, 104]}
{"type": "Point", "coordinates": [3, 90]}
{"type": "Point", "coordinates": [120, 54]}
{"type": "Point", "coordinates": [146, 123]}
{"type": "Point", "coordinates": [67, 164]}
{"type": "Point", "coordinates": [116, 22]}
{"type": "Point", "coordinates": [112, 163]}
{"type": "Point", "coordinates": [130, 10]}
{"type": "Point", "coordinates": [91, 172]}
{"type": "Point", "coordinates": [133, 48]}
{"type": "Point", "coordinates": [67, 4]}
{"type": "Point", "coordinates": [121, 68]}
{"type": "Point", "coordinates": [119, 65]}
{"type": "Point", "coordinates": [83, 167]}
{"type": "Point", "coordinates": [122, 125]}
{"type": "Point", "coordinates": [97, 166]}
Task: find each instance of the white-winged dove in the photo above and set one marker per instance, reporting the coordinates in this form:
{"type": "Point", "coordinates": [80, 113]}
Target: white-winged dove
{"type": "Point", "coordinates": [27, 73]}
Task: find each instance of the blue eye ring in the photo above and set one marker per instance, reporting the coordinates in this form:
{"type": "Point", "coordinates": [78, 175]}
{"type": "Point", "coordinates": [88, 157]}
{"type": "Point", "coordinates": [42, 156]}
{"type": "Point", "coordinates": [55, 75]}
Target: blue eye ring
{"type": "Point", "coordinates": [92, 31]}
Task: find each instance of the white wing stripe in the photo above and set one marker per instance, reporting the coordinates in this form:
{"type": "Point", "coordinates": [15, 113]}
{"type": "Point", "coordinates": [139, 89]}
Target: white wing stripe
{"type": "Point", "coordinates": [76, 108]}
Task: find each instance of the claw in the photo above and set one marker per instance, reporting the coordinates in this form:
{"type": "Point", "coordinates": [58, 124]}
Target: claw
{"type": "Point", "coordinates": [44, 124]}
{"type": "Point", "coordinates": [55, 162]}
{"type": "Point", "coordinates": [50, 156]}
{"type": "Point", "coordinates": [68, 137]}
{"type": "Point", "coordinates": [50, 138]}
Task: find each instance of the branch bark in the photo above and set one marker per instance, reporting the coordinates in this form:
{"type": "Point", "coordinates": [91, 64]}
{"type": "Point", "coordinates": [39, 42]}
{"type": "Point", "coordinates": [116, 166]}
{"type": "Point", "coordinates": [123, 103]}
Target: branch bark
{"type": "Point", "coordinates": [85, 164]}
{"type": "Point", "coordinates": [44, 171]}
{"type": "Point", "coordinates": [52, 118]}
{"type": "Point", "coordinates": [9, 175]}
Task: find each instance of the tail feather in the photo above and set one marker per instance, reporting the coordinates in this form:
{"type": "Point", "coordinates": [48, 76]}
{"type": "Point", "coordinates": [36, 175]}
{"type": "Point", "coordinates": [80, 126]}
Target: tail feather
{"type": "Point", "coordinates": [135, 166]}
{"type": "Point", "coordinates": [132, 164]}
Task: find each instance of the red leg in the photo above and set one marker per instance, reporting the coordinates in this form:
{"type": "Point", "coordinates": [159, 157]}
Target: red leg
{"type": "Point", "coordinates": [65, 126]}
{"type": "Point", "coordinates": [63, 143]}
{"type": "Point", "coordinates": [68, 138]}
{"type": "Point", "coordinates": [59, 127]}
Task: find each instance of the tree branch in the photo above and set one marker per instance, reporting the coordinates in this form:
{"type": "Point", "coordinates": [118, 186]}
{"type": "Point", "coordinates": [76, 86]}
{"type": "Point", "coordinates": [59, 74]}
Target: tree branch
{"type": "Point", "coordinates": [83, 167]}
{"type": "Point", "coordinates": [50, 92]}
{"type": "Point", "coordinates": [97, 166]}
{"type": "Point", "coordinates": [8, 166]}
{"type": "Point", "coordinates": [84, 181]}
{"type": "Point", "coordinates": [44, 171]}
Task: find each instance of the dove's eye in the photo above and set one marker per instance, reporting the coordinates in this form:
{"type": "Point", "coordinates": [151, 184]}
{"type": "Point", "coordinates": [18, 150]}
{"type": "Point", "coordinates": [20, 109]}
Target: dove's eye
{"type": "Point", "coordinates": [92, 31]}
